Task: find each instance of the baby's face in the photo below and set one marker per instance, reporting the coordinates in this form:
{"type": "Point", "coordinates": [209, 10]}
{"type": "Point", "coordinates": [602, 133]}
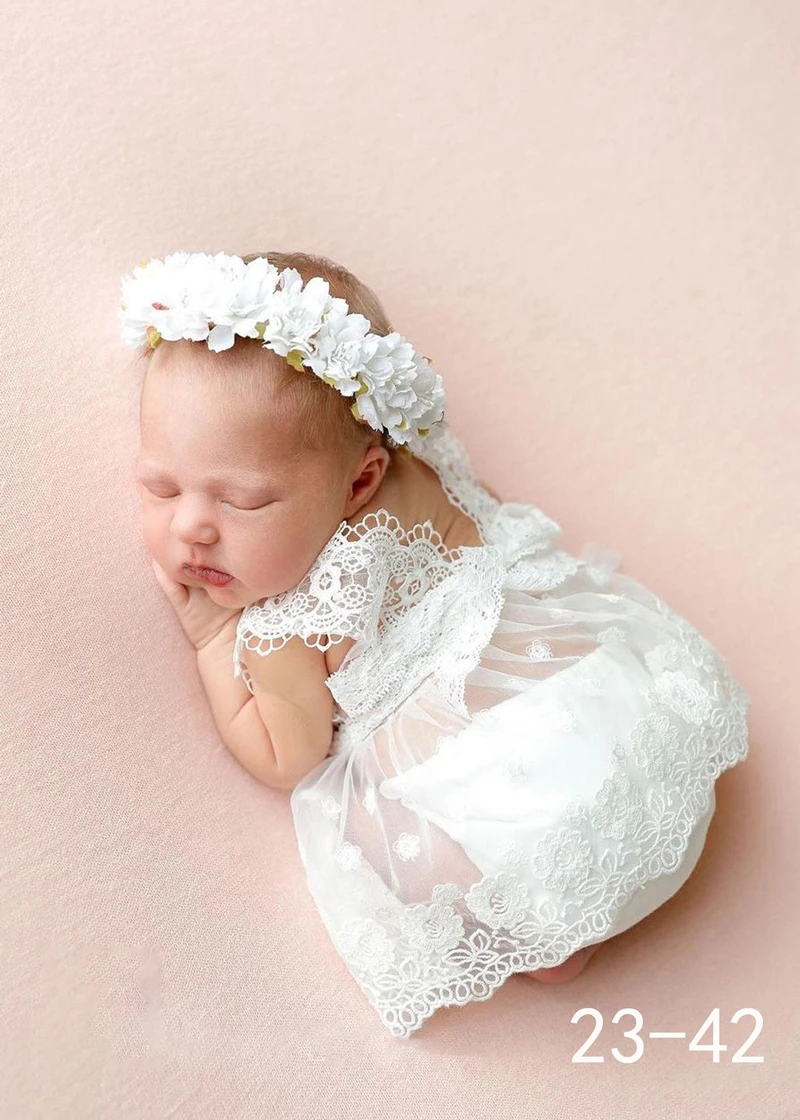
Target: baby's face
{"type": "Point", "coordinates": [224, 486]}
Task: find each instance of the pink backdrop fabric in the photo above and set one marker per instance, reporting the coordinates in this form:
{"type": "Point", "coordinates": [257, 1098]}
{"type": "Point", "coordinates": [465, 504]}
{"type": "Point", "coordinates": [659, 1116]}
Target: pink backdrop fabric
{"type": "Point", "coordinates": [586, 215]}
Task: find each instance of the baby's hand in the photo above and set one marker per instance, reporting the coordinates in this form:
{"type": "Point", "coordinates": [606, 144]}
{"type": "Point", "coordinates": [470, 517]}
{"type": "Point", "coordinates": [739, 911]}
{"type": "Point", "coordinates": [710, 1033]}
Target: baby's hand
{"type": "Point", "coordinates": [201, 618]}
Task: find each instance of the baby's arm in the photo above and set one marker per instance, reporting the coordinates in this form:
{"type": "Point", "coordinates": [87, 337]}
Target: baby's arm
{"type": "Point", "coordinates": [282, 732]}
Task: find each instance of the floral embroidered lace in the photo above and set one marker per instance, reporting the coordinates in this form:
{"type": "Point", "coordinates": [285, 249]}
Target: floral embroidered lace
{"type": "Point", "coordinates": [370, 575]}
{"type": "Point", "coordinates": [582, 801]}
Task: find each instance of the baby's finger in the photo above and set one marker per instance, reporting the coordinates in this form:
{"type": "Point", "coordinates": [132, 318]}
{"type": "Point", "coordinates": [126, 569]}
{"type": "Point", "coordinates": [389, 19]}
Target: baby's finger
{"type": "Point", "coordinates": [177, 593]}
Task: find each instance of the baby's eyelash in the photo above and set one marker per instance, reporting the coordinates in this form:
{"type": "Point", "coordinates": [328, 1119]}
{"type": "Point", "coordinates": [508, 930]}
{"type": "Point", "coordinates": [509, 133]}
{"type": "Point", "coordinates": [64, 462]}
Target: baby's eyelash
{"type": "Point", "coordinates": [246, 509]}
{"type": "Point", "coordinates": [239, 509]}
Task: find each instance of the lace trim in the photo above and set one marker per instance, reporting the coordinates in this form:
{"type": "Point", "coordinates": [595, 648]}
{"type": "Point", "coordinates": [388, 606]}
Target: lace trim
{"type": "Point", "coordinates": [367, 570]}
{"type": "Point", "coordinates": [365, 579]}
{"type": "Point", "coordinates": [448, 457]}
{"type": "Point", "coordinates": [438, 965]}
{"type": "Point", "coordinates": [369, 582]}
{"type": "Point", "coordinates": [454, 615]}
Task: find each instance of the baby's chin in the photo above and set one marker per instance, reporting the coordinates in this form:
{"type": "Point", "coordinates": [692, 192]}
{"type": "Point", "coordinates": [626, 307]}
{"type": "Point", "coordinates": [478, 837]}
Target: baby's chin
{"type": "Point", "coordinates": [237, 594]}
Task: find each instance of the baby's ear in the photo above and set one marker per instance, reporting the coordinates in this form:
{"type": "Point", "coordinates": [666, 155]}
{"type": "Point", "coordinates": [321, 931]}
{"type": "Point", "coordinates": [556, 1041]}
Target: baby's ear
{"type": "Point", "coordinates": [374, 464]}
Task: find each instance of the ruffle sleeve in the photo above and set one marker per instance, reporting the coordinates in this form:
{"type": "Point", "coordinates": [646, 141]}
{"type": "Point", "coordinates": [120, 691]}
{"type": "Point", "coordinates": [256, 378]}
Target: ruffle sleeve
{"type": "Point", "coordinates": [340, 597]}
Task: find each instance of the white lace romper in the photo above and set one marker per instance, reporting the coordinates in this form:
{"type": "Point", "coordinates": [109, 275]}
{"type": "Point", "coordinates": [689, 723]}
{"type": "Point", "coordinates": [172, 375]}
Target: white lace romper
{"type": "Point", "coordinates": [525, 747]}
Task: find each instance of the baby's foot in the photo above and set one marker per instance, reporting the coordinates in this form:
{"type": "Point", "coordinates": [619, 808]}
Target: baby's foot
{"type": "Point", "coordinates": [566, 971]}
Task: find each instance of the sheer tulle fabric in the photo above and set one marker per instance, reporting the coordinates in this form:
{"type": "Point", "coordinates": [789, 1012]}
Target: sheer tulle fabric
{"type": "Point", "coordinates": [447, 852]}
{"type": "Point", "coordinates": [525, 751]}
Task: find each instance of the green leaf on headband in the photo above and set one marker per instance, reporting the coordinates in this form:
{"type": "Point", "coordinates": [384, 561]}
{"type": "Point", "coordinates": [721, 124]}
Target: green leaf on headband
{"type": "Point", "coordinates": [295, 359]}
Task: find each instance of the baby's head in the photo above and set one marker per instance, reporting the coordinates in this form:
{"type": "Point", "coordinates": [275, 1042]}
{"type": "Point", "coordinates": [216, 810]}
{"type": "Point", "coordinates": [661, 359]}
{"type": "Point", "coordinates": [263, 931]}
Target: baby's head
{"type": "Point", "coordinates": [248, 465]}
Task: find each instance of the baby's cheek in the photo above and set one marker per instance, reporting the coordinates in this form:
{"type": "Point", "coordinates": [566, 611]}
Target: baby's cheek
{"type": "Point", "coordinates": [273, 564]}
{"type": "Point", "coordinates": [155, 532]}
{"type": "Point", "coordinates": [252, 558]}
{"type": "Point", "coordinates": [153, 537]}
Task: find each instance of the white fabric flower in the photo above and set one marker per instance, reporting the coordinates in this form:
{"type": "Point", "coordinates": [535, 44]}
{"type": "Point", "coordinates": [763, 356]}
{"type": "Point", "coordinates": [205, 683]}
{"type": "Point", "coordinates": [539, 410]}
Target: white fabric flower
{"type": "Point", "coordinates": [214, 298]}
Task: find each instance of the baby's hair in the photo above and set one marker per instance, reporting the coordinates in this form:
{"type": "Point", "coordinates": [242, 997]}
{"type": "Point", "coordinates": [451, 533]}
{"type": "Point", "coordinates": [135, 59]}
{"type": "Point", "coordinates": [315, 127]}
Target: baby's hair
{"type": "Point", "coordinates": [321, 409]}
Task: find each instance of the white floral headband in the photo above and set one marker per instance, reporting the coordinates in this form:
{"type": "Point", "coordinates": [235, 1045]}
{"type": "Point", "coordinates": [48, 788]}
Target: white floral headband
{"type": "Point", "coordinates": [199, 296]}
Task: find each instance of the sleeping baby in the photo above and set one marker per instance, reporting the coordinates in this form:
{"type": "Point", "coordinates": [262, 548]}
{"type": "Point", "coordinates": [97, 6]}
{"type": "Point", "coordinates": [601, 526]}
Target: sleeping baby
{"type": "Point", "coordinates": [499, 755]}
